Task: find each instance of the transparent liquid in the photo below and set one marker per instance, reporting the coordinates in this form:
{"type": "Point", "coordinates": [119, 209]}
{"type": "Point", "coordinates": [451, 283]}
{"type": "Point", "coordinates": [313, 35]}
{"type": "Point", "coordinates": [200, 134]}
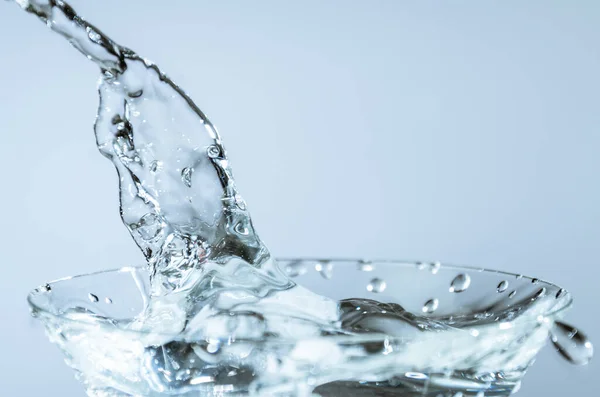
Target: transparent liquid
{"type": "Point", "coordinates": [211, 275]}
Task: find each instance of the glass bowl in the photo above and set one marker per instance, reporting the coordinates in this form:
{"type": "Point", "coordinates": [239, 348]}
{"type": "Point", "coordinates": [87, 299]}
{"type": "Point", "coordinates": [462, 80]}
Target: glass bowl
{"type": "Point", "coordinates": [409, 329]}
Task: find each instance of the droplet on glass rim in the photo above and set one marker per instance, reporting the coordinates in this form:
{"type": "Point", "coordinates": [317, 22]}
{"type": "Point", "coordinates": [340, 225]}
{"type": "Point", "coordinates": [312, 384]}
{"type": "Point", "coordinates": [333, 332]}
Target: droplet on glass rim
{"type": "Point", "coordinates": [93, 298]}
{"type": "Point", "coordinates": [296, 268]}
{"type": "Point", "coordinates": [365, 266]}
{"type": "Point", "coordinates": [325, 269]}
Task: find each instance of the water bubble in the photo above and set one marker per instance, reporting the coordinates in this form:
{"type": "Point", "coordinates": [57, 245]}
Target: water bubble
{"type": "Point", "coordinates": [213, 151]}
{"type": "Point", "coordinates": [186, 176]}
{"type": "Point", "coordinates": [430, 306]}
{"type": "Point", "coordinates": [434, 267]}
{"type": "Point", "coordinates": [241, 228]}
{"type": "Point", "coordinates": [240, 202]}
{"type": "Point", "coordinates": [93, 35]}
{"type": "Point", "coordinates": [135, 94]}
{"type": "Point", "coordinates": [502, 286]}
{"type": "Point", "coordinates": [561, 292]}
{"type": "Point", "coordinates": [571, 343]}
{"type": "Point", "coordinates": [108, 301]}
{"type": "Point", "coordinates": [155, 166]}
{"type": "Point", "coordinates": [512, 294]}
{"type": "Point", "coordinates": [376, 285]}
{"type": "Point", "coordinates": [325, 269]}
{"type": "Point", "coordinates": [460, 283]}
{"type": "Point", "coordinates": [296, 268]}
{"type": "Point", "coordinates": [93, 298]}
{"type": "Point", "coordinates": [46, 288]}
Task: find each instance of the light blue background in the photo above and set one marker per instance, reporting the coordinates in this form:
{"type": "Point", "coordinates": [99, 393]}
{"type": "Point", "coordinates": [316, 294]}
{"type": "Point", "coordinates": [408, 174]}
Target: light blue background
{"type": "Point", "coordinates": [464, 131]}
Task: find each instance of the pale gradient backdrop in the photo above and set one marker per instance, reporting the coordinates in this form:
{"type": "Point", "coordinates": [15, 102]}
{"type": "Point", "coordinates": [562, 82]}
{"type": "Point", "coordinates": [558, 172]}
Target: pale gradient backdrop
{"type": "Point", "coordinates": [464, 131]}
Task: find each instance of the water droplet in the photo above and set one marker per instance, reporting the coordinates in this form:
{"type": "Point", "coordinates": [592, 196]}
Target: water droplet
{"type": "Point", "coordinates": [108, 301]}
{"type": "Point", "coordinates": [186, 176]}
{"type": "Point", "coordinates": [240, 202]}
{"type": "Point", "coordinates": [366, 266]}
{"type": "Point", "coordinates": [503, 286]}
{"type": "Point", "coordinates": [519, 276]}
{"type": "Point", "coordinates": [535, 281]}
{"type": "Point", "coordinates": [460, 283]}
{"type": "Point", "coordinates": [93, 35]}
{"type": "Point", "coordinates": [431, 305]}
{"type": "Point", "coordinates": [561, 292]}
{"type": "Point", "coordinates": [434, 267]}
{"type": "Point", "coordinates": [296, 268]}
{"type": "Point", "coordinates": [155, 166]}
{"type": "Point", "coordinates": [135, 94]}
{"type": "Point", "coordinates": [376, 285]}
{"type": "Point", "coordinates": [539, 294]}
{"type": "Point", "coordinates": [512, 294]}
{"type": "Point", "coordinates": [93, 297]}
{"type": "Point", "coordinates": [571, 343]}
{"type": "Point", "coordinates": [46, 288]}
{"type": "Point", "coordinates": [213, 151]}
{"type": "Point", "coordinates": [421, 265]}
{"type": "Point", "coordinates": [325, 268]}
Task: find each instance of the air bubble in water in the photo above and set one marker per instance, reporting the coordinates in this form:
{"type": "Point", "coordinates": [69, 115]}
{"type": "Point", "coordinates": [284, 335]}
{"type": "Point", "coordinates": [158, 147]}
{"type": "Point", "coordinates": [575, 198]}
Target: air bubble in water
{"type": "Point", "coordinates": [186, 176]}
{"type": "Point", "coordinates": [431, 305]}
{"type": "Point", "coordinates": [93, 298]}
{"type": "Point", "coordinates": [93, 35]}
{"type": "Point", "coordinates": [155, 166]}
{"type": "Point", "coordinates": [572, 344]}
{"type": "Point", "coordinates": [213, 151]}
{"type": "Point", "coordinates": [376, 285]}
{"type": "Point", "coordinates": [241, 228]}
{"type": "Point", "coordinates": [296, 268]}
{"type": "Point", "coordinates": [503, 286]}
{"type": "Point", "coordinates": [325, 269]}
{"type": "Point", "coordinates": [460, 283]}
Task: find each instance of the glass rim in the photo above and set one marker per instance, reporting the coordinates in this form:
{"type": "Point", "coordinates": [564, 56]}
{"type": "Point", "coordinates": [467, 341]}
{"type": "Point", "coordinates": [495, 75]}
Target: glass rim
{"type": "Point", "coordinates": [341, 338]}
